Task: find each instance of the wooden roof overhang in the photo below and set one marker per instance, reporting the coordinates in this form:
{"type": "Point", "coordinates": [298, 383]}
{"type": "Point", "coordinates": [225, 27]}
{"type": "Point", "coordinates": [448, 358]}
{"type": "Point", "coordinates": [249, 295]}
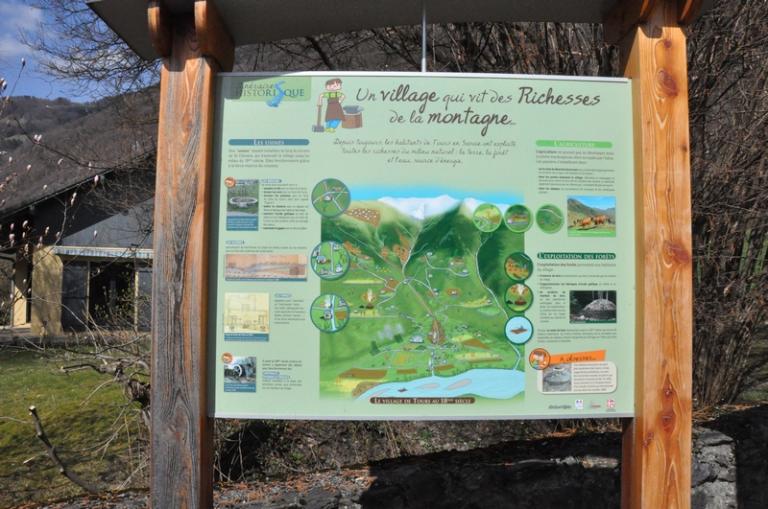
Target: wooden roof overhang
{"type": "Point", "coordinates": [253, 21]}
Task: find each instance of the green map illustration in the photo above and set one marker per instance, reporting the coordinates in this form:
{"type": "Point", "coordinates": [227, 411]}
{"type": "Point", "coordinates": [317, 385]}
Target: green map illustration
{"type": "Point", "coordinates": [426, 297]}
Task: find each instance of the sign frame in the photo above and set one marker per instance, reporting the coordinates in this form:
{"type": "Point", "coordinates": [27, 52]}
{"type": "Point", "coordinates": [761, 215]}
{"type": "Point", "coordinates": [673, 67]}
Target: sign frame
{"type": "Point", "coordinates": [656, 456]}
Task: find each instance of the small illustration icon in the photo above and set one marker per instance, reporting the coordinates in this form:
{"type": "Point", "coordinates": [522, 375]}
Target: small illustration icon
{"type": "Point", "coordinates": [518, 297]}
{"type": "Point", "coordinates": [330, 197]}
{"type": "Point", "coordinates": [330, 260]}
{"type": "Point", "coordinates": [579, 404]}
{"type": "Point", "coordinates": [518, 266]}
{"type": "Point", "coordinates": [610, 404]}
{"type": "Point", "coordinates": [518, 330]}
{"type": "Point", "coordinates": [518, 218]}
{"type": "Point", "coordinates": [329, 313]}
{"type": "Point", "coordinates": [549, 218]}
{"type": "Point", "coordinates": [487, 217]}
{"type": "Point", "coordinates": [539, 359]}
{"type": "Point", "coordinates": [334, 113]}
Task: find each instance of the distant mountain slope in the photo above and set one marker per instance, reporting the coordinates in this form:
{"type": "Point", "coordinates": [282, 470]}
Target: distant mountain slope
{"type": "Point", "coordinates": [578, 210]}
{"type": "Point", "coordinates": [78, 141]}
{"type": "Point", "coordinates": [36, 115]}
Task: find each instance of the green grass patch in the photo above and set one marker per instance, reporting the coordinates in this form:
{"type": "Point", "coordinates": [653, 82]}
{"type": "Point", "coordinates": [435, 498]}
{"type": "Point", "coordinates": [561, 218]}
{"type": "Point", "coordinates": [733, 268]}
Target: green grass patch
{"type": "Point", "coordinates": [600, 231]}
{"type": "Point", "coordinates": [80, 421]}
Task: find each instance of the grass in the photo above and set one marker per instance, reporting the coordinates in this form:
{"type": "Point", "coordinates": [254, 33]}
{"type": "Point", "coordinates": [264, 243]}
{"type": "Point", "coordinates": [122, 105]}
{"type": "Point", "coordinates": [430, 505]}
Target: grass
{"type": "Point", "coordinates": [79, 420]}
{"type": "Point", "coordinates": [608, 230]}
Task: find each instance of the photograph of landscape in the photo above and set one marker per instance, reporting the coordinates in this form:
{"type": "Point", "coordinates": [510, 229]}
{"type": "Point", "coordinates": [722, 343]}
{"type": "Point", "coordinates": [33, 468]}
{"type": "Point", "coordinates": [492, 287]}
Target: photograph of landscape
{"type": "Point", "coordinates": [426, 289]}
{"type": "Point", "coordinates": [591, 216]}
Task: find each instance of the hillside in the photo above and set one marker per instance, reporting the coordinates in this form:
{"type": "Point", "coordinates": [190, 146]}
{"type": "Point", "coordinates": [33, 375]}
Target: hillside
{"type": "Point", "coordinates": [76, 142]}
{"type": "Point", "coordinates": [578, 210]}
{"type": "Point", "coordinates": [34, 115]}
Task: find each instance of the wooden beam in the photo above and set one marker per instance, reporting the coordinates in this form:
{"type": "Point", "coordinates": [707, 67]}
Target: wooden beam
{"type": "Point", "coordinates": [689, 10]}
{"type": "Point", "coordinates": [656, 463]}
{"type": "Point", "coordinates": [212, 34]}
{"type": "Point", "coordinates": [625, 16]}
{"type": "Point", "coordinates": [181, 443]}
{"type": "Point", "coordinates": [159, 27]}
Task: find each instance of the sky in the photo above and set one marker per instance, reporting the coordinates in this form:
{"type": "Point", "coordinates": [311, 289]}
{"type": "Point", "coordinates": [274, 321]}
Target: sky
{"type": "Point", "coordinates": [15, 17]}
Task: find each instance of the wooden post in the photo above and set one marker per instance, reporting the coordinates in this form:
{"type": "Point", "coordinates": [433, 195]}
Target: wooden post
{"type": "Point", "coordinates": [656, 460]}
{"type": "Point", "coordinates": [182, 444]}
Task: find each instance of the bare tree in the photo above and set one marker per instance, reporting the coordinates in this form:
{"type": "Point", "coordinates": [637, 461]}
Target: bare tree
{"type": "Point", "coordinates": [729, 158]}
{"type": "Point", "coordinates": [78, 47]}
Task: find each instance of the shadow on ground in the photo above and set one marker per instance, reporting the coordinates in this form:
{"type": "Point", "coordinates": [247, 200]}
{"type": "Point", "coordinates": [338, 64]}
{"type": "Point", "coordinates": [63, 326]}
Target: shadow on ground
{"type": "Point", "coordinates": [749, 431]}
{"type": "Point", "coordinates": [563, 473]}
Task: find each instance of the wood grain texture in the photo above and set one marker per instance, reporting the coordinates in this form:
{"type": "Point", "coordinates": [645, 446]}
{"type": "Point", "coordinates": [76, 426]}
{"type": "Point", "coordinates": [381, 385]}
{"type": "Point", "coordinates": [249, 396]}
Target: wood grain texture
{"type": "Point", "coordinates": [159, 27]}
{"type": "Point", "coordinates": [656, 465]}
{"type": "Point", "coordinates": [182, 446]}
{"type": "Point", "coordinates": [212, 35]}
{"type": "Point", "coordinates": [625, 16]}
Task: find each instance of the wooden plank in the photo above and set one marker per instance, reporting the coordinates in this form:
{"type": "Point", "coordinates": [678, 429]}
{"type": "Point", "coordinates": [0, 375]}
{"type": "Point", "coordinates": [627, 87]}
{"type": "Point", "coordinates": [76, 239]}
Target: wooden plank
{"type": "Point", "coordinates": [656, 464]}
{"type": "Point", "coordinates": [212, 34]}
{"type": "Point", "coordinates": [159, 27]}
{"type": "Point", "coordinates": [182, 447]}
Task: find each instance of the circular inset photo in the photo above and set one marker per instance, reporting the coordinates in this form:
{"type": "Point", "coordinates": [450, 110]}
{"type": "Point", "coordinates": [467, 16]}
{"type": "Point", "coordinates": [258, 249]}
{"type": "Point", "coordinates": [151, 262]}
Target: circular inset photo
{"type": "Point", "coordinates": [330, 197]}
{"type": "Point", "coordinates": [329, 313]}
{"type": "Point", "coordinates": [518, 266]}
{"type": "Point", "coordinates": [230, 181]}
{"type": "Point", "coordinates": [518, 218]}
{"type": "Point", "coordinates": [330, 260]}
{"type": "Point", "coordinates": [487, 217]}
{"type": "Point", "coordinates": [518, 330]}
{"type": "Point", "coordinates": [518, 297]}
{"type": "Point", "coordinates": [539, 359]}
{"type": "Point", "coordinates": [226, 357]}
{"type": "Point", "coordinates": [549, 218]}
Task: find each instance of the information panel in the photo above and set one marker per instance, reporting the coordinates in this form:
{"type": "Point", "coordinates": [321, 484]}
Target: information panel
{"type": "Point", "coordinates": [422, 246]}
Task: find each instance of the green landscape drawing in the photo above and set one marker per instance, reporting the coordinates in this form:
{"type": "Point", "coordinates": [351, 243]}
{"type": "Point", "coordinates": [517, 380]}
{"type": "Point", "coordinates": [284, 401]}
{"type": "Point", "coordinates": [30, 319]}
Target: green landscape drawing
{"type": "Point", "coordinates": [426, 297]}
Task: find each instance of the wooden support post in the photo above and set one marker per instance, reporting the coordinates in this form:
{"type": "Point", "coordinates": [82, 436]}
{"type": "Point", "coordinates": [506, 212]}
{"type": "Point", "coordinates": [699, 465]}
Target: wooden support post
{"type": "Point", "coordinates": [656, 463]}
{"type": "Point", "coordinates": [182, 445]}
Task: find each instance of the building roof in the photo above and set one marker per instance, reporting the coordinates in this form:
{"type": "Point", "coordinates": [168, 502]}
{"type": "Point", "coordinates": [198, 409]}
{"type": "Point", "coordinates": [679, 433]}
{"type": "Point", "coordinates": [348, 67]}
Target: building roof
{"type": "Point", "coordinates": [252, 21]}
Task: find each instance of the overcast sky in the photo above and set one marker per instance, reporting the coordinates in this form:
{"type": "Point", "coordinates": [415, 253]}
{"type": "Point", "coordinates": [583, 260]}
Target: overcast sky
{"type": "Point", "coordinates": [16, 16]}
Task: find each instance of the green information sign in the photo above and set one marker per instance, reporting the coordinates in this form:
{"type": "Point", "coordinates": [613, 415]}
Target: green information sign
{"type": "Point", "coordinates": [422, 246]}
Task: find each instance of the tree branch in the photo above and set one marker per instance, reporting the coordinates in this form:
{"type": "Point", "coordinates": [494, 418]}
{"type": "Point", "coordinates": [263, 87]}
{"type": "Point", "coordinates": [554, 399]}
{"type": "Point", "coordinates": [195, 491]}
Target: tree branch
{"type": "Point", "coordinates": [63, 470]}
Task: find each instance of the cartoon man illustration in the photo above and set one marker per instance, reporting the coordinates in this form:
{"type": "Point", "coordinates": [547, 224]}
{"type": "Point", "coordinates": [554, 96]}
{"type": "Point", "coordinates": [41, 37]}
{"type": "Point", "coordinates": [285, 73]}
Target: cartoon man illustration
{"type": "Point", "coordinates": [539, 359]}
{"type": "Point", "coordinates": [334, 114]}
